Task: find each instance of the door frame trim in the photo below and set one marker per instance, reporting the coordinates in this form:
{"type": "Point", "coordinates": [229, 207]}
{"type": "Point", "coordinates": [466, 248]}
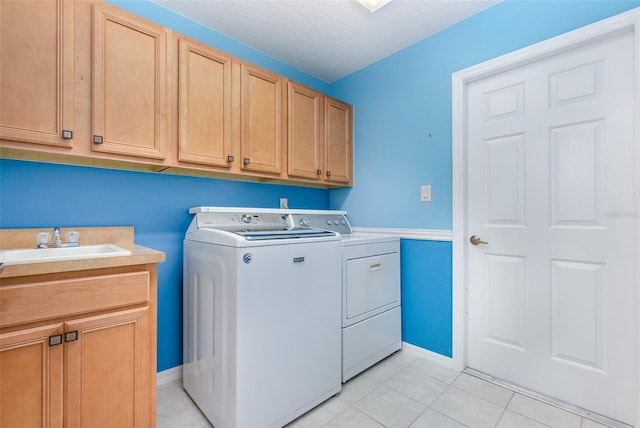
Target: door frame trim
{"type": "Point", "coordinates": [625, 22]}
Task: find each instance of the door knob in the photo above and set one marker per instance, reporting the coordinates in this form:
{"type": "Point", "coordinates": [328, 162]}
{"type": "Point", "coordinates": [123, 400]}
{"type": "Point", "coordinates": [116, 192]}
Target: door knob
{"type": "Point", "coordinates": [475, 240]}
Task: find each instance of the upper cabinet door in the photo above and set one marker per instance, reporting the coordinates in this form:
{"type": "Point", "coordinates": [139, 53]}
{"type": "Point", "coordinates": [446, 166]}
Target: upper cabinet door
{"type": "Point", "coordinates": [261, 120]}
{"type": "Point", "coordinates": [204, 110]}
{"type": "Point", "coordinates": [338, 141]}
{"type": "Point", "coordinates": [304, 132]}
{"type": "Point", "coordinates": [36, 71]}
{"type": "Point", "coordinates": [129, 84]}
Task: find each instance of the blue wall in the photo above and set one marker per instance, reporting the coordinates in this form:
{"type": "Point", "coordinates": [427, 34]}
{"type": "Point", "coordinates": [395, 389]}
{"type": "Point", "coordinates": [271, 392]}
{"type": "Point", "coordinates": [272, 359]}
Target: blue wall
{"type": "Point", "coordinates": [426, 294]}
{"type": "Point", "coordinates": [402, 140]}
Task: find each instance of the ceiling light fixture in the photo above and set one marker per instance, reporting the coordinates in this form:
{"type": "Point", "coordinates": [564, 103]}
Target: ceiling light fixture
{"type": "Point", "coordinates": [373, 5]}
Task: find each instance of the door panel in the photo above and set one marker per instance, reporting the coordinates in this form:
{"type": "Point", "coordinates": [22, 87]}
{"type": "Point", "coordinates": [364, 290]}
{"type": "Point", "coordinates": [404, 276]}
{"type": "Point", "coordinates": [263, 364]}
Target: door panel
{"type": "Point", "coordinates": [551, 185]}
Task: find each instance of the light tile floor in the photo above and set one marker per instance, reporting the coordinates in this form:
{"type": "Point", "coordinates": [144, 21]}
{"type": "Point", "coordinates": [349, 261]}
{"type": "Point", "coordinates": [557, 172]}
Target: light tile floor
{"type": "Point", "coordinates": [403, 391]}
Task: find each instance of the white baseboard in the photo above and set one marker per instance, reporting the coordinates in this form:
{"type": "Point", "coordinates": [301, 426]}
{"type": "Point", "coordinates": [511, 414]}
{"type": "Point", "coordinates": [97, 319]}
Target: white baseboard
{"type": "Point", "coordinates": [427, 355]}
{"type": "Point", "coordinates": [165, 377]}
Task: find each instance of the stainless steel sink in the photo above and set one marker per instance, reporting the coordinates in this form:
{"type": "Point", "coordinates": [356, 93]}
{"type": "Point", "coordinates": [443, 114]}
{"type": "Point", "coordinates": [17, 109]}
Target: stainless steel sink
{"type": "Point", "coordinates": [39, 255]}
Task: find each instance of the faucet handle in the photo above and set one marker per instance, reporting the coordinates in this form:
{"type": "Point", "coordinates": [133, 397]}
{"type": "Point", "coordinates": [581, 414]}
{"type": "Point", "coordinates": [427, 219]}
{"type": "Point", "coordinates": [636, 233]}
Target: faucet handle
{"type": "Point", "coordinates": [43, 239]}
{"type": "Point", "coordinates": [72, 238]}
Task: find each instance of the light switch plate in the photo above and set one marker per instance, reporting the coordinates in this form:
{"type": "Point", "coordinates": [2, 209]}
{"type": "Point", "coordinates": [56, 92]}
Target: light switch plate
{"type": "Point", "coordinates": [425, 193]}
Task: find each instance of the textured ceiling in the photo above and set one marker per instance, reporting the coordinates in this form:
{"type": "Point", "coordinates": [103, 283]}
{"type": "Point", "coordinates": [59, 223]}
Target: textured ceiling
{"type": "Point", "coordinates": [328, 39]}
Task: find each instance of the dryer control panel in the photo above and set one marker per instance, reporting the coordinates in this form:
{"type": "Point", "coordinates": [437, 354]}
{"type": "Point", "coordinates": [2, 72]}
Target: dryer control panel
{"type": "Point", "coordinates": [333, 222]}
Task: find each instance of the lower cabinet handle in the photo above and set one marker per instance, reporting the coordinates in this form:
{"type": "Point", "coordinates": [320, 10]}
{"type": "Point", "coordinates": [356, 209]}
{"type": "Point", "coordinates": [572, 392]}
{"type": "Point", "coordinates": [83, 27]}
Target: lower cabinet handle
{"type": "Point", "coordinates": [55, 340]}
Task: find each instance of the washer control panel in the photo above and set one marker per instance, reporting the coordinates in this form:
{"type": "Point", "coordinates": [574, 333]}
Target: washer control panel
{"type": "Point", "coordinates": [243, 221]}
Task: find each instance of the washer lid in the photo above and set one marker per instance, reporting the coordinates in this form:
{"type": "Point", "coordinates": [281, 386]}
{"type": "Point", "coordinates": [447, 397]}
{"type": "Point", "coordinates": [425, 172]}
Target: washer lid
{"type": "Point", "coordinates": [286, 234]}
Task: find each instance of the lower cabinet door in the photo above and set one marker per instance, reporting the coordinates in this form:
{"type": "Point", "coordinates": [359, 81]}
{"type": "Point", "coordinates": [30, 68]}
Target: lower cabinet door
{"type": "Point", "coordinates": [108, 372]}
{"type": "Point", "coordinates": [31, 377]}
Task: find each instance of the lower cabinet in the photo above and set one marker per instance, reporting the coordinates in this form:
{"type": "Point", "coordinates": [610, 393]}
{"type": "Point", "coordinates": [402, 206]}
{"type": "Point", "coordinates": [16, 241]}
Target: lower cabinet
{"type": "Point", "coordinates": [94, 368]}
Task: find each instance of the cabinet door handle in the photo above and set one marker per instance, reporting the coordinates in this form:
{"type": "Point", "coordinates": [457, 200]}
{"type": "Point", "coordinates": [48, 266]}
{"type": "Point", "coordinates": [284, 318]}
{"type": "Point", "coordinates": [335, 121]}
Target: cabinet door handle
{"type": "Point", "coordinates": [318, 171]}
{"type": "Point", "coordinates": [230, 158]}
{"type": "Point", "coordinates": [71, 336]}
{"type": "Point", "coordinates": [55, 340]}
{"type": "Point", "coordinates": [97, 139]}
{"type": "Point", "coordinates": [328, 173]}
{"type": "Point", "coordinates": [67, 135]}
{"type": "Point", "coordinates": [245, 161]}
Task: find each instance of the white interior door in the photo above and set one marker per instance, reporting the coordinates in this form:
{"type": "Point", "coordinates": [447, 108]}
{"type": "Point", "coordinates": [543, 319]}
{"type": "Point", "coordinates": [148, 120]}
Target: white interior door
{"type": "Point", "coordinates": [551, 189]}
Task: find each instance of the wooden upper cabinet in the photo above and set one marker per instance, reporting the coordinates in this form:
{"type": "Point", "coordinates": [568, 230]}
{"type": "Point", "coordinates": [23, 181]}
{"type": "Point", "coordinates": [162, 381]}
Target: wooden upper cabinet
{"type": "Point", "coordinates": [338, 141]}
{"type": "Point", "coordinates": [92, 83]}
{"type": "Point", "coordinates": [261, 120]}
{"type": "Point", "coordinates": [204, 109]}
{"type": "Point", "coordinates": [36, 71]}
{"type": "Point", "coordinates": [305, 132]}
{"type": "Point", "coordinates": [129, 104]}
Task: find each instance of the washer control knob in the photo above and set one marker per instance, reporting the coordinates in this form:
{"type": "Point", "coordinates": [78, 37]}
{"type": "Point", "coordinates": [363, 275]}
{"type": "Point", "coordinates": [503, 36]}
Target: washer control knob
{"type": "Point", "coordinates": [336, 222]}
{"type": "Point", "coordinates": [329, 222]}
{"type": "Point", "coordinates": [343, 222]}
{"type": "Point", "coordinates": [305, 222]}
{"type": "Point", "coordinates": [246, 218]}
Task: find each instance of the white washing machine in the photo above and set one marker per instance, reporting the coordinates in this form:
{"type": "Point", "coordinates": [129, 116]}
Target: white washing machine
{"type": "Point", "coordinates": [262, 333]}
{"type": "Point", "coordinates": [371, 301]}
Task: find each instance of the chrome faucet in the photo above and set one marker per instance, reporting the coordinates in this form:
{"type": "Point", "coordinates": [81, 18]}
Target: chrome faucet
{"type": "Point", "coordinates": [57, 242]}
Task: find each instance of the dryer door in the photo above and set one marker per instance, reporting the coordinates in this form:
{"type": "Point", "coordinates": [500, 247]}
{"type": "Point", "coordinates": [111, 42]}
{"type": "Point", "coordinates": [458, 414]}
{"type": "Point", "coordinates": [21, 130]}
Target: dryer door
{"type": "Point", "coordinates": [372, 286]}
